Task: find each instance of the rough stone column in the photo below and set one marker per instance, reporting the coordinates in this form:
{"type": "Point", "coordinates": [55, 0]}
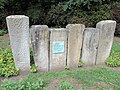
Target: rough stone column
{"type": "Point", "coordinates": [75, 39]}
{"type": "Point", "coordinates": [107, 29]}
{"type": "Point", "coordinates": [58, 48]}
{"type": "Point", "coordinates": [18, 27]}
{"type": "Point", "coordinates": [40, 44]}
{"type": "Point", "coordinates": [90, 46]}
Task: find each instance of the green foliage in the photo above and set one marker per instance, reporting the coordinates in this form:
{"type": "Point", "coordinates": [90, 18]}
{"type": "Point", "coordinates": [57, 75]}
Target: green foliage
{"type": "Point", "coordinates": [36, 14]}
{"type": "Point", "coordinates": [81, 63]}
{"type": "Point", "coordinates": [33, 68]}
{"type": "Point", "coordinates": [58, 13]}
{"type": "Point", "coordinates": [113, 60]}
{"type": "Point", "coordinates": [56, 17]}
{"type": "Point", "coordinates": [31, 57]}
{"type": "Point", "coordinates": [2, 2]}
{"type": "Point", "coordinates": [99, 78]}
{"type": "Point", "coordinates": [7, 67]}
{"type": "Point", "coordinates": [64, 85]}
{"type": "Point", "coordinates": [28, 83]}
{"type": "Point", "coordinates": [67, 68]}
{"type": "Point", "coordinates": [85, 4]}
{"type": "Point", "coordinates": [2, 32]}
{"type": "Point", "coordinates": [91, 17]}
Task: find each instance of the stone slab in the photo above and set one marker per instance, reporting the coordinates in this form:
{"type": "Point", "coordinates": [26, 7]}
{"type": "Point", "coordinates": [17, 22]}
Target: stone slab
{"type": "Point", "coordinates": [75, 39]}
{"type": "Point", "coordinates": [90, 46]}
{"type": "Point", "coordinates": [18, 28]}
{"type": "Point", "coordinates": [58, 41]}
{"type": "Point", "coordinates": [107, 29]}
{"type": "Point", "coordinates": [40, 45]}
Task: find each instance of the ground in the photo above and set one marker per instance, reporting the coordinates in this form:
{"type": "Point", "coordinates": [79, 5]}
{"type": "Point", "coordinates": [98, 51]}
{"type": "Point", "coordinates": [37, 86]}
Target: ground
{"type": "Point", "coordinates": [85, 78]}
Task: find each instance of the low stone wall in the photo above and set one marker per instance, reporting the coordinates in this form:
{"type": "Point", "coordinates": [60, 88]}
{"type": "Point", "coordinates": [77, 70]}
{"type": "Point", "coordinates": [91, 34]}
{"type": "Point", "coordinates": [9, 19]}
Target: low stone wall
{"type": "Point", "coordinates": [55, 48]}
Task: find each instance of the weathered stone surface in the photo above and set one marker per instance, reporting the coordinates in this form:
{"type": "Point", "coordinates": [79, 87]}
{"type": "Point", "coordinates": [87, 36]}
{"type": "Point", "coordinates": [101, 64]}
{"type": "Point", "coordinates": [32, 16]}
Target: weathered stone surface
{"type": "Point", "coordinates": [90, 46]}
{"type": "Point", "coordinates": [107, 29]}
{"type": "Point", "coordinates": [40, 43]}
{"type": "Point", "coordinates": [75, 38]}
{"type": "Point", "coordinates": [58, 56]}
{"type": "Point", "coordinates": [18, 27]}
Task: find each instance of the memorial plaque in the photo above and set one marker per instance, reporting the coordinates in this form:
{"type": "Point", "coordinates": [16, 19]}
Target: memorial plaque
{"type": "Point", "coordinates": [58, 47]}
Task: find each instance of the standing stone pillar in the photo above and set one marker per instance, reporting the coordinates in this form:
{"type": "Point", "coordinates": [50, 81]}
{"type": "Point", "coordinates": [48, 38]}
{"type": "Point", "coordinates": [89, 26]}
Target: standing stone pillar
{"type": "Point", "coordinates": [58, 48]}
{"type": "Point", "coordinates": [107, 29]}
{"type": "Point", "coordinates": [90, 46]}
{"type": "Point", "coordinates": [75, 39]}
{"type": "Point", "coordinates": [18, 28]}
{"type": "Point", "coordinates": [40, 45]}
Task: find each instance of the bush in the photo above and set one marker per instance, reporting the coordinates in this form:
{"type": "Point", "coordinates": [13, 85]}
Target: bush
{"type": "Point", "coordinates": [57, 17]}
{"type": "Point", "coordinates": [85, 4]}
{"type": "Point", "coordinates": [28, 83]}
{"type": "Point", "coordinates": [91, 17]}
{"type": "Point", "coordinates": [2, 32]}
{"type": "Point", "coordinates": [113, 60]}
{"type": "Point", "coordinates": [64, 85]}
{"type": "Point", "coordinates": [33, 68]}
{"type": "Point", "coordinates": [7, 67]}
{"type": "Point", "coordinates": [36, 14]}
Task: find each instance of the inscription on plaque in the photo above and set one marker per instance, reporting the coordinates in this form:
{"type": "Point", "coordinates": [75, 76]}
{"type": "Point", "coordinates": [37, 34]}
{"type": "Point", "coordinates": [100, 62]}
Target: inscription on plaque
{"type": "Point", "coordinates": [58, 47]}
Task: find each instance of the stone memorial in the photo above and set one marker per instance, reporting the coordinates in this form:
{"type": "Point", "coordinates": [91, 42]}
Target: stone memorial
{"type": "Point", "coordinates": [55, 48]}
{"type": "Point", "coordinates": [75, 39]}
{"type": "Point", "coordinates": [40, 45]}
{"type": "Point", "coordinates": [90, 46]}
{"type": "Point", "coordinates": [58, 48]}
{"type": "Point", "coordinates": [18, 28]}
{"type": "Point", "coordinates": [107, 29]}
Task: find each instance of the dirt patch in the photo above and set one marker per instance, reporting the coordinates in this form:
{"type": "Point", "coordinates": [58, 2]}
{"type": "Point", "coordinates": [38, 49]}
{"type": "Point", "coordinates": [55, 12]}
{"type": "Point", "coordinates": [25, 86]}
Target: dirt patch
{"type": "Point", "coordinates": [55, 83]}
{"type": "Point", "coordinates": [74, 82]}
{"type": "Point", "coordinates": [116, 68]}
{"type": "Point", "coordinates": [116, 38]}
{"type": "Point", "coordinates": [102, 84]}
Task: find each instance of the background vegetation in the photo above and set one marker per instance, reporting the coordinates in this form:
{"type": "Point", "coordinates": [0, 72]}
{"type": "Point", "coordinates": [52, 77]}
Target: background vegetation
{"type": "Point", "coordinates": [58, 13]}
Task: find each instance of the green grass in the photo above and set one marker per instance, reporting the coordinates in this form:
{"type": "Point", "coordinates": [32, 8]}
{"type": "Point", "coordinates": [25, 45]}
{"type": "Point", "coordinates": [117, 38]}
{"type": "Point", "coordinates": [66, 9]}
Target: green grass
{"type": "Point", "coordinates": [97, 78]}
{"type": "Point", "coordinates": [114, 59]}
{"type": "Point", "coordinates": [87, 77]}
{"type": "Point", "coordinates": [116, 46]}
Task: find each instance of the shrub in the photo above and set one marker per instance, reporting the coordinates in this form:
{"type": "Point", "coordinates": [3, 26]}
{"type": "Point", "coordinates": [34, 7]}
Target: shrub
{"type": "Point", "coordinates": [91, 17]}
{"type": "Point", "coordinates": [113, 60]}
{"type": "Point", "coordinates": [36, 14]}
{"type": "Point", "coordinates": [85, 4]}
{"type": "Point", "coordinates": [67, 68]}
{"type": "Point", "coordinates": [64, 85]}
{"type": "Point", "coordinates": [2, 32]}
{"type": "Point", "coordinates": [31, 57]}
{"type": "Point", "coordinates": [28, 83]}
{"type": "Point", "coordinates": [33, 68]}
{"type": "Point", "coordinates": [7, 67]}
{"type": "Point", "coordinates": [56, 16]}
{"type": "Point", "coordinates": [81, 63]}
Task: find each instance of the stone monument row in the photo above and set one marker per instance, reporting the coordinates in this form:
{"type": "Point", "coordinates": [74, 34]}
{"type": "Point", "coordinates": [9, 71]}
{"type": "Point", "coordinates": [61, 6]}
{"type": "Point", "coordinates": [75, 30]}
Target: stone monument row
{"type": "Point", "coordinates": [55, 48]}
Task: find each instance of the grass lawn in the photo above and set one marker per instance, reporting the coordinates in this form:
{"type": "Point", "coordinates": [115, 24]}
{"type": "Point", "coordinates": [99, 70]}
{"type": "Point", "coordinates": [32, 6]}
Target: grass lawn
{"type": "Point", "coordinates": [85, 78]}
{"type": "Point", "coordinates": [89, 78]}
